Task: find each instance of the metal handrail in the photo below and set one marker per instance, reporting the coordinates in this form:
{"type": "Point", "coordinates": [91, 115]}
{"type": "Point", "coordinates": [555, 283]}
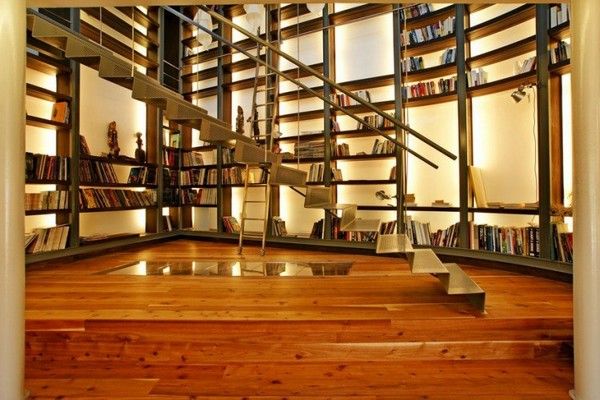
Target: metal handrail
{"type": "Point", "coordinates": [325, 79]}
{"type": "Point", "coordinates": [315, 93]}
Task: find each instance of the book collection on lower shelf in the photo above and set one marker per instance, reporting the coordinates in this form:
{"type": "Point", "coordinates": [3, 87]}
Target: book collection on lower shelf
{"type": "Point", "coordinates": [47, 239]}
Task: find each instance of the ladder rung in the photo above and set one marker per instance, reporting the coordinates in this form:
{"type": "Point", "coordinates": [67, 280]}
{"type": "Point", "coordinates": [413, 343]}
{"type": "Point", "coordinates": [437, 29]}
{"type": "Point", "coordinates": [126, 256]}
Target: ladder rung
{"type": "Point", "coordinates": [265, 104]}
{"type": "Point", "coordinates": [263, 119]}
{"type": "Point", "coordinates": [255, 201]}
{"type": "Point", "coordinates": [265, 90]}
{"type": "Point", "coordinates": [252, 219]}
{"type": "Point", "coordinates": [253, 235]}
{"type": "Point", "coordinates": [257, 184]}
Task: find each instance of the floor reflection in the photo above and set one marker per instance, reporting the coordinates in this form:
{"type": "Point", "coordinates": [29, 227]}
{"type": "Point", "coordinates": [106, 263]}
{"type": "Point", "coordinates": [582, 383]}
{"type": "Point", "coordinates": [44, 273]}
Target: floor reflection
{"type": "Point", "coordinates": [232, 268]}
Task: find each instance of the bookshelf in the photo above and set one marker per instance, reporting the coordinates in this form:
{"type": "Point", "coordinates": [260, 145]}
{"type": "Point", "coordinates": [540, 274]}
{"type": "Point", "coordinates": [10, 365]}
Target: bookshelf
{"type": "Point", "coordinates": [487, 37]}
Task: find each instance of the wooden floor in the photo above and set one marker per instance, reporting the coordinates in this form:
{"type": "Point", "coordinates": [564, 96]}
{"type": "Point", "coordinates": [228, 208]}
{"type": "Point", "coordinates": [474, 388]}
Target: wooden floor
{"type": "Point", "coordinates": [379, 333]}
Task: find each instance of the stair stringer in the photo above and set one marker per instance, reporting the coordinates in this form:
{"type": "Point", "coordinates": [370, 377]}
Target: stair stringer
{"type": "Point", "coordinates": [425, 261]}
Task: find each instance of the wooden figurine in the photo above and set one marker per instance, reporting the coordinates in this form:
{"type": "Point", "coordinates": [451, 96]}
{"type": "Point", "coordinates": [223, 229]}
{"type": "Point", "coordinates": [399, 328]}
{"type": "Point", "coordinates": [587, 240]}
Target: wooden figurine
{"type": "Point", "coordinates": [113, 140]}
{"type": "Point", "coordinates": [239, 121]}
{"type": "Point", "coordinates": [140, 154]}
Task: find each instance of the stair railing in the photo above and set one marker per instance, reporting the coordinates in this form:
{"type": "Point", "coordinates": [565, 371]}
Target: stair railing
{"type": "Point", "coordinates": [312, 91]}
{"type": "Point", "coordinates": [332, 83]}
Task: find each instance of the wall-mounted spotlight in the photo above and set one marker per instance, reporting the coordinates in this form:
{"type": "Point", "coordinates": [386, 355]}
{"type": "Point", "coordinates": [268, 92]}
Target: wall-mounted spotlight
{"type": "Point", "coordinates": [520, 93]}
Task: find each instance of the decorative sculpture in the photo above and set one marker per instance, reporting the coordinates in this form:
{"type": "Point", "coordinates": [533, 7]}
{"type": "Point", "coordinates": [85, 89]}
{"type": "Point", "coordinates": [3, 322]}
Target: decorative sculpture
{"type": "Point", "coordinates": [239, 121]}
{"type": "Point", "coordinates": [255, 127]}
{"type": "Point", "coordinates": [140, 154]}
{"type": "Point", "coordinates": [113, 140]}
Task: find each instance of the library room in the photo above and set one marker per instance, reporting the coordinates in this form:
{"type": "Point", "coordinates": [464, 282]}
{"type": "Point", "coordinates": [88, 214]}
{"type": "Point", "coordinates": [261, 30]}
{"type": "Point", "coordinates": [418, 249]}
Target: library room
{"type": "Point", "coordinates": [299, 200]}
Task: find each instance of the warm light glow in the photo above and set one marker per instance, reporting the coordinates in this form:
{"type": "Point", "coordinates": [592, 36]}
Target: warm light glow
{"type": "Point", "coordinates": [236, 269]}
{"type": "Point", "coordinates": [255, 15]}
{"type": "Point", "coordinates": [203, 19]}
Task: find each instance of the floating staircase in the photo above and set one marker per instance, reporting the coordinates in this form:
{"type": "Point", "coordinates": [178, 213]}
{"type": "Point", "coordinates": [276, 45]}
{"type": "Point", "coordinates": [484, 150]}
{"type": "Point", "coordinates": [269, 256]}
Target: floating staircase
{"type": "Point", "coordinates": [145, 89]}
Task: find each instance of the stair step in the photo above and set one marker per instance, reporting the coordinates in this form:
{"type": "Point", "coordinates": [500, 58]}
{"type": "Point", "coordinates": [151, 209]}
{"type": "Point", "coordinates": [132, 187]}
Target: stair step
{"type": "Point", "coordinates": [425, 261]}
{"type": "Point", "coordinates": [393, 243]}
{"type": "Point", "coordinates": [456, 281]}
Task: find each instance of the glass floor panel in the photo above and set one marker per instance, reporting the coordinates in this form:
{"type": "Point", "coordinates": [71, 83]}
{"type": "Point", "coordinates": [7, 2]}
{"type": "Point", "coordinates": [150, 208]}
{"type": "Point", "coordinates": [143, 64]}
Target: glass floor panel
{"type": "Point", "coordinates": [230, 268]}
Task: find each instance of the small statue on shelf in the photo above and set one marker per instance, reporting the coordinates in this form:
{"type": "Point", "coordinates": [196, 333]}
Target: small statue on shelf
{"type": "Point", "coordinates": [113, 140]}
{"type": "Point", "coordinates": [255, 127]}
{"type": "Point", "coordinates": [140, 154]}
{"type": "Point", "coordinates": [239, 121]}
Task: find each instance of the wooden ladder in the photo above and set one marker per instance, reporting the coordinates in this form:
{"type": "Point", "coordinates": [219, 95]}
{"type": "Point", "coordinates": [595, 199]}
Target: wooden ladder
{"type": "Point", "coordinates": [265, 176]}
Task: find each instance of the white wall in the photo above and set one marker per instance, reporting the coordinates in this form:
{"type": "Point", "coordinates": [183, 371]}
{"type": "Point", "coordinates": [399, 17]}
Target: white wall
{"type": "Point", "coordinates": [101, 102]}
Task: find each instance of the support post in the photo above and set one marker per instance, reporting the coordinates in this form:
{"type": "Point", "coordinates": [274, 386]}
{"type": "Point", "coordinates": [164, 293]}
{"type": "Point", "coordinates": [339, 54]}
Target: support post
{"type": "Point", "coordinates": [12, 192]}
{"type": "Point", "coordinates": [585, 62]}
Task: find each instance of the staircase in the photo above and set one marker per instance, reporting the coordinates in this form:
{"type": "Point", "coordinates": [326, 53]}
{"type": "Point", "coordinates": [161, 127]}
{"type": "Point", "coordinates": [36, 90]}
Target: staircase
{"type": "Point", "coordinates": [177, 109]}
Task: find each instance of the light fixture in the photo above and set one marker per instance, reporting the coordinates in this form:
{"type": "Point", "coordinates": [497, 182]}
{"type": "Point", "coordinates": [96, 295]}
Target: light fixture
{"type": "Point", "coordinates": [203, 19]}
{"type": "Point", "coordinates": [520, 93]}
{"type": "Point", "coordinates": [254, 15]}
{"type": "Point", "coordinates": [315, 8]}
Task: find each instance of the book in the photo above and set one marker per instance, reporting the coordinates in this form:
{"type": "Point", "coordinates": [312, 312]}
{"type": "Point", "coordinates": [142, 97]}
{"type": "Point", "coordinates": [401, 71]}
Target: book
{"type": "Point", "coordinates": [60, 112]}
{"type": "Point", "coordinates": [477, 186]}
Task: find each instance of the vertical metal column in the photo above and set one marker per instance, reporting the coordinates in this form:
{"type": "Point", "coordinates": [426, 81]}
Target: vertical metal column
{"type": "Point", "coordinates": [463, 139]}
{"type": "Point", "coordinates": [12, 192]}
{"type": "Point", "coordinates": [398, 110]}
{"type": "Point", "coordinates": [220, 115]}
{"type": "Point", "coordinates": [75, 139]}
{"type": "Point", "coordinates": [327, 226]}
{"type": "Point", "coordinates": [585, 61]}
{"type": "Point", "coordinates": [542, 25]}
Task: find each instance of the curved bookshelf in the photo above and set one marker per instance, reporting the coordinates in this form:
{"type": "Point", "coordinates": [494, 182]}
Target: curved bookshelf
{"type": "Point", "coordinates": [504, 21]}
{"type": "Point", "coordinates": [118, 161]}
{"type": "Point", "coordinates": [105, 209]}
{"type": "Point", "coordinates": [44, 212]}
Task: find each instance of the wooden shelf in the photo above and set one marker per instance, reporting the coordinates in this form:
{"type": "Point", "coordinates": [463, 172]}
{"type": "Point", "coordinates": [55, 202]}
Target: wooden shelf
{"type": "Point", "coordinates": [45, 182]}
{"type": "Point", "coordinates": [202, 93]}
{"type": "Point", "coordinates": [46, 123]}
{"type": "Point", "coordinates": [117, 185]}
{"type": "Point", "coordinates": [431, 99]}
{"type": "Point", "coordinates": [560, 32]}
{"type": "Point", "coordinates": [91, 210]}
{"type": "Point", "coordinates": [429, 46]}
{"type": "Point", "coordinates": [198, 185]}
{"type": "Point", "coordinates": [501, 22]}
{"type": "Point", "coordinates": [303, 138]}
{"type": "Point", "coordinates": [45, 94]}
{"type": "Point", "coordinates": [363, 157]}
{"type": "Point", "coordinates": [118, 161]}
{"type": "Point", "coordinates": [500, 85]}
{"type": "Point", "coordinates": [191, 41]}
{"type": "Point", "coordinates": [376, 208]}
{"type": "Point", "coordinates": [202, 205]}
{"type": "Point", "coordinates": [430, 73]}
{"type": "Point", "coordinates": [361, 133]}
{"type": "Point", "coordinates": [503, 53]}
{"type": "Point", "coordinates": [433, 208]}
{"type": "Point", "coordinates": [143, 19]}
{"type": "Point", "coordinates": [357, 13]}
{"type": "Point", "coordinates": [87, 241]}
{"type": "Point", "coordinates": [504, 210]}
{"type": "Point", "coordinates": [205, 166]}
{"type": "Point", "coordinates": [44, 212]}
{"type": "Point", "coordinates": [560, 68]}
{"type": "Point", "coordinates": [292, 73]}
{"type": "Point", "coordinates": [430, 18]}
{"type": "Point", "coordinates": [46, 64]}
{"type": "Point", "coordinates": [302, 160]}
{"type": "Point", "coordinates": [364, 182]}
{"type": "Point", "coordinates": [207, 147]}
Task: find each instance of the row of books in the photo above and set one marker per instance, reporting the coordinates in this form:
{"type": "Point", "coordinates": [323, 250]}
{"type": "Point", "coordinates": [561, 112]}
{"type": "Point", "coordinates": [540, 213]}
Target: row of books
{"type": "Point", "coordinates": [476, 77]}
{"type": "Point", "coordinates": [278, 226]}
{"type": "Point", "coordinates": [344, 100]}
{"type": "Point", "coordinates": [446, 237]}
{"type": "Point", "coordinates": [206, 196]}
{"type": "Point", "coordinates": [92, 171]}
{"type": "Point", "coordinates": [176, 196]}
{"type": "Point", "coordinates": [383, 146]}
{"type": "Point", "coordinates": [448, 56]}
{"type": "Point", "coordinates": [375, 120]}
{"type": "Point", "coordinates": [411, 64]}
{"type": "Point", "coordinates": [527, 65]}
{"type": "Point", "coordinates": [422, 89]}
{"type": "Point", "coordinates": [204, 176]}
{"type": "Point", "coordinates": [91, 198]}
{"type": "Point", "coordinates": [341, 149]}
{"type": "Point", "coordinates": [415, 10]}
{"type": "Point", "coordinates": [561, 52]}
{"type": "Point", "coordinates": [192, 158]}
{"type": "Point", "coordinates": [418, 233]}
{"type": "Point", "coordinates": [387, 228]}
{"type": "Point", "coordinates": [47, 239]}
{"type": "Point", "coordinates": [523, 241]}
{"type": "Point", "coordinates": [231, 224]}
{"type": "Point", "coordinates": [314, 149]}
{"type": "Point", "coordinates": [559, 14]}
{"type": "Point", "coordinates": [171, 157]}
{"type": "Point", "coordinates": [45, 167]}
{"type": "Point", "coordinates": [49, 200]}
{"type": "Point", "coordinates": [429, 32]}
{"type": "Point", "coordinates": [142, 176]}
{"type": "Point", "coordinates": [315, 173]}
